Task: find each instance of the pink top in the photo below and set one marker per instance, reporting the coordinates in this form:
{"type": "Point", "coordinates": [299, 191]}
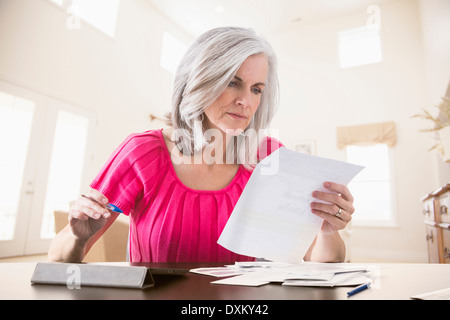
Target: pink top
{"type": "Point", "coordinates": [169, 222]}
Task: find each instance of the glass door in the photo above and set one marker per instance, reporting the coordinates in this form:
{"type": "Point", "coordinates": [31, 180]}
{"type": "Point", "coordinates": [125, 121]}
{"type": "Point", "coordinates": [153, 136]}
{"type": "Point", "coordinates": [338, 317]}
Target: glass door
{"type": "Point", "coordinates": [16, 121]}
{"type": "Point", "coordinates": [45, 148]}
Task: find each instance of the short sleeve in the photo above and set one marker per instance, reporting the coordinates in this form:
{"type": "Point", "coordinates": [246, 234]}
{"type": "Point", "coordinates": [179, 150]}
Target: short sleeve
{"type": "Point", "coordinates": [123, 176]}
{"type": "Point", "coordinates": [267, 147]}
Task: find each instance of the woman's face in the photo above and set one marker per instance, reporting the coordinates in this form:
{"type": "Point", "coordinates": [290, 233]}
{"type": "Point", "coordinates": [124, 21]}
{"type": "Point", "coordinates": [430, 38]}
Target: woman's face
{"type": "Point", "coordinates": [235, 107]}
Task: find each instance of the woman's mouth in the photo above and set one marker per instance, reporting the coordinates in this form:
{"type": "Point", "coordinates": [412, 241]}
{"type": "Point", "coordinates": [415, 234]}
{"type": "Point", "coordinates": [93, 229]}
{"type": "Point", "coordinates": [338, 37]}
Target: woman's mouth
{"type": "Point", "coordinates": [237, 116]}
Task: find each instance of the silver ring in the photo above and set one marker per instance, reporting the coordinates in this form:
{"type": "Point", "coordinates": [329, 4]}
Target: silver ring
{"type": "Point", "coordinates": [339, 213]}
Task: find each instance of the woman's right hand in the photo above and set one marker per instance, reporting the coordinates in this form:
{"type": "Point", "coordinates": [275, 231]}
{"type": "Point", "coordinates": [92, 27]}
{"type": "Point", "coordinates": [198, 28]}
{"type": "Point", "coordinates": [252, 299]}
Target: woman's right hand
{"type": "Point", "coordinates": [87, 217]}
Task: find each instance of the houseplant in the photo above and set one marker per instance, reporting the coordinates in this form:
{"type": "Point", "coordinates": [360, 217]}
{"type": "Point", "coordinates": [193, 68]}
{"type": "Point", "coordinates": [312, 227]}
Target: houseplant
{"type": "Point", "coordinates": [441, 126]}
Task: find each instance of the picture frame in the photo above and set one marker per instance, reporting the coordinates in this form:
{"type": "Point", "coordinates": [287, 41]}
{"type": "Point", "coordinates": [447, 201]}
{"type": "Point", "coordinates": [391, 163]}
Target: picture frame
{"type": "Point", "coordinates": [305, 146]}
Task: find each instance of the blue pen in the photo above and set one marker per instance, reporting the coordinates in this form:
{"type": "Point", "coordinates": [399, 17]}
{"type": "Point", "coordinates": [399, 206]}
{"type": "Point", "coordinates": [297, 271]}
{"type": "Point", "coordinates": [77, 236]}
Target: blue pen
{"type": "Point", "coordinates": [108, 206]}
{"type": "Point", "coordinates": [359, 289]}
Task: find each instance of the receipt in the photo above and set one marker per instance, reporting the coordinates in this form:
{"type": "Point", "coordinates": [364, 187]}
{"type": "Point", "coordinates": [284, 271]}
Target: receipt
{"type": "Point", "coordinates": [272, 219]}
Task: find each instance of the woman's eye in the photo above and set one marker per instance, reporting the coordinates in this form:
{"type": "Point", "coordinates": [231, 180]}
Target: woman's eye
{"type": "Point", "coordinates": [233, 84]}
{"type": "Point", "coordinates": [256, 91]}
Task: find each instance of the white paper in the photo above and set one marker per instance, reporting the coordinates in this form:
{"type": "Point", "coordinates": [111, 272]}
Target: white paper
{"type": "Point", "coordinates": [304, 274]}
{"type": "Point", "coordinates": [337, 280]}
{"type": "Point", "coordinates": [260, 264]}
{"type": "Point", "coordinates": [435, 295]}
{"type": "Point", "coordinates": [272, 219]}
{"type": "Point", "coordinates": [261, 277]}
{"type": "Point", "coordinates": [217, 272]}
{"type": "Point", "coordinates": [247, 280]}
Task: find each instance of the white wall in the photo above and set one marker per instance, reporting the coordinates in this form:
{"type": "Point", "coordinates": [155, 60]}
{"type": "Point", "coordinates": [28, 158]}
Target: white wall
{"type": "Point", "coordinates": [435, 18]}
{"type": "Point", "coordinates": [318, 96]}
{"type": "Point", "coordinates": [120, 79]}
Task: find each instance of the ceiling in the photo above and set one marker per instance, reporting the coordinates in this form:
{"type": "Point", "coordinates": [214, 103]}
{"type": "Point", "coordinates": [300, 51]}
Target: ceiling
{"type": "Point", "coordinates": [265, 16]}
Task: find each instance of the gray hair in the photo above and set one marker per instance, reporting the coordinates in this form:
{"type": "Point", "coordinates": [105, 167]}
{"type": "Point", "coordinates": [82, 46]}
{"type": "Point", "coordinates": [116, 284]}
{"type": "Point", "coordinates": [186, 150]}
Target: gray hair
{"type": "Point", "coordinates": [205, 71]}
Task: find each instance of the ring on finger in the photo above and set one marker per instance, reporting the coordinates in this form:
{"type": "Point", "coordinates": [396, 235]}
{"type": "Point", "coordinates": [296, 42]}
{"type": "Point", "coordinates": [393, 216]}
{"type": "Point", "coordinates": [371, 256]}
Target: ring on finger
{"type": "Point", "coordinates": [339, 213]}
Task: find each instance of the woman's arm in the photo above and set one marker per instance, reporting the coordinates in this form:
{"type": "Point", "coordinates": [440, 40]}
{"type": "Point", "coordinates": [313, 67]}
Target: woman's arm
{"type": "Point", "coordinates": [88, 221]}
{"type": "Point", "coordinates": [337, 213]}
{"type": "Point", "coordinates": [326, 248]}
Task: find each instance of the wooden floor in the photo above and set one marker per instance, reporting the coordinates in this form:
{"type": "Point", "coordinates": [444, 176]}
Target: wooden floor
{"type": "Point", "coordinates": [36, 258]}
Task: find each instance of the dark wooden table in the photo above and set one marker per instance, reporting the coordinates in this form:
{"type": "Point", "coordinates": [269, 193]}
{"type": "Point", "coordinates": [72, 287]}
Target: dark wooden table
{"type": "Point", "coordinates": [396, 282]}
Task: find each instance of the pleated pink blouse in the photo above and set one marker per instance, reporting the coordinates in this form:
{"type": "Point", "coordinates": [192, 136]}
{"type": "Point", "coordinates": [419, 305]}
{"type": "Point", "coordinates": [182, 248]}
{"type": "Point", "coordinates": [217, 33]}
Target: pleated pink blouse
{"type": "Point", "coordinates": [169, 222]}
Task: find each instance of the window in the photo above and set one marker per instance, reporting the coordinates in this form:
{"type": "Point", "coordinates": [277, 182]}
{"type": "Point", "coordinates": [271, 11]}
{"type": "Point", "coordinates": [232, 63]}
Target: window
{"type": "Point", "coordinates": [66, 167]}
{"type": "Point", "coordinates": [101, 14]}
{"type": "Point", "coordinates": [58, 2]}
{"type": "Point", "coordinates": [372, 188]}
{"type": "Point", "coordinates": [172, 52]}
{"type": "Point", "coordinates": [371, 145]}
{"type": "Point", "coordinates": [360, 46]}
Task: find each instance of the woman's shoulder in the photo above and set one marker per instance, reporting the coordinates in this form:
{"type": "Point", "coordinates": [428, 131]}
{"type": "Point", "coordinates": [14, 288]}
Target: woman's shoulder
{"type": "Point", "coordinates": [134, 162]}
{"type": "Point", "coordinates": [148, 138]}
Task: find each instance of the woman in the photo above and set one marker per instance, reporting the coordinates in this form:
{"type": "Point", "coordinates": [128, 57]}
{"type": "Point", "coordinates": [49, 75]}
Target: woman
{"type": "Point", "coordinates": [180, 185]}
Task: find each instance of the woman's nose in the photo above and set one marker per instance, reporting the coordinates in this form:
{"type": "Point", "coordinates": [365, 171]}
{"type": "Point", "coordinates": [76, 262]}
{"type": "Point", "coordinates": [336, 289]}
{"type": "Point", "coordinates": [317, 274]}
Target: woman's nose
{"type": "Point", "coordinates": [243, 99]}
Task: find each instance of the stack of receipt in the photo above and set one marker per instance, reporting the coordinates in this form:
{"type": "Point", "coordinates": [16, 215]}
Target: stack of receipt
{"type": "Point", "coordinates": [304, 274]}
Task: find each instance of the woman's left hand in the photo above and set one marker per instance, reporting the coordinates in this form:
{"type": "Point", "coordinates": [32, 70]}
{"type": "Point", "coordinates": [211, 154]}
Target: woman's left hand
{"type": "Point", "coordinates": [338, 210]}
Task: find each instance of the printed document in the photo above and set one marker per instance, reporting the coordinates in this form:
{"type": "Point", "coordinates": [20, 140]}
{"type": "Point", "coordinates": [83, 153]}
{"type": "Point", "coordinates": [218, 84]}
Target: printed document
{"type": "Point", "coordinates": [272, 219]}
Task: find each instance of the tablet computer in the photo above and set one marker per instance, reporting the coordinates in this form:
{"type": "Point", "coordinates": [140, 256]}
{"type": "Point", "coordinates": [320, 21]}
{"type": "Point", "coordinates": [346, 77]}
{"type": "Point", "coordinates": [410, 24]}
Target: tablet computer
{"type": "Point", "coordinates": [171, 269]}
